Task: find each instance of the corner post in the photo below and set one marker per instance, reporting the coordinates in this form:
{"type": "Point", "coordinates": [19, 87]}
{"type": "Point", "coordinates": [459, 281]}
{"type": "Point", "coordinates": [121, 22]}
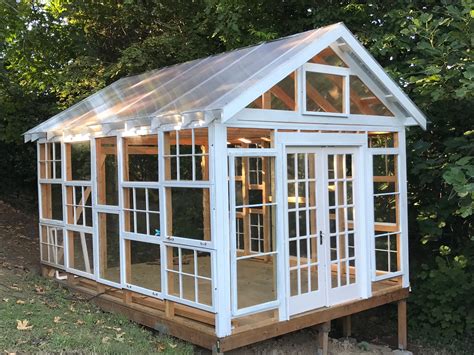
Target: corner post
{"type": "Point", "coordinates": [220, 227]}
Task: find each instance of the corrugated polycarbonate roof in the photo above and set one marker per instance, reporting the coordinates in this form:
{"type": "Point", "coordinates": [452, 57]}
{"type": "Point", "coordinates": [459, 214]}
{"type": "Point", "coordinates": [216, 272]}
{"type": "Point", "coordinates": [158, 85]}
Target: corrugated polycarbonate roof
{"type": "Point", "coordinates": [197, 86]}
{"type": "Point", "coordinates": [200, 89]}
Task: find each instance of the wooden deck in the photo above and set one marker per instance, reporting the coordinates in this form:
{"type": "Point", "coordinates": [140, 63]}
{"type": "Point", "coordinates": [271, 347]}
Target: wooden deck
{"type": "Point", "coordinates": [197, 326]}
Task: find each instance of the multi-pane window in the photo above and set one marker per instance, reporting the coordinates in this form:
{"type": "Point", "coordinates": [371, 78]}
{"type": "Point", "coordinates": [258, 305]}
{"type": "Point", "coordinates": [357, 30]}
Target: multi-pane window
{"type": "Point", "coordinates": [52, 245]}
{"type": "Point", "coordinates": [142, 210]}
{"type": "Point", "coordinates": [187, 155]}
{"type": "Point", "coordinates": [50, 161]}
{"type": "Point", "coordinates": [189, 275]}
{"type": "Point", "coordinates": [79, 205]}
{"type": "Point", "coordinates": [386, 212]}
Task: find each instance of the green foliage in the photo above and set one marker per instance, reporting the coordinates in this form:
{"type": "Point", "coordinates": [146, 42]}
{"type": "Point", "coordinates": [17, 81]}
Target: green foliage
{"type": "Point", "coordinates": [442, 299]}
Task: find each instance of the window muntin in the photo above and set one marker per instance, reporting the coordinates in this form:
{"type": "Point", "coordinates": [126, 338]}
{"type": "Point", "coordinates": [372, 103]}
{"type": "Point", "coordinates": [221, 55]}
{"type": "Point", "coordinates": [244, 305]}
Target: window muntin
{"type": "Point", "coordinates": [140, 158]}
{"type": "Point", "coordinates": [81, 251]}
{"type": "Point", "coordinates": [189, 275]}
{"type": "Point", "coordinates": [50, 161]}
{"type": "Point", "coordinates": [324, 92]}
{"type": "Point", "coordinates": [142, 211]}
{"type": "Point", "coordinates": [187, 155]}
{"type": "Point", "coordinates": [79, 205]}
{"type": "Point", "coordinates": [52, 245]}
{"type": "Point", "coordinates": [107, 171]}
{"type": "Point", "coordinates": [364, 101]}
{"type": "Point", "coordinates": [78, 161]}
{"type": "Point", "coordinates": [387, 252]}
{"type": "Point", "coordinates": [51, 201]}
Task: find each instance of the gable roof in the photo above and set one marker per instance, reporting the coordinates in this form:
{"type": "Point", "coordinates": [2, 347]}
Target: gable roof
{"type": "Point", "coordinates": [218, 86]}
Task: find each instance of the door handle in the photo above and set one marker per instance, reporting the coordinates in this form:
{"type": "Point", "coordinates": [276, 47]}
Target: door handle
{"type": "Point", "coordinates": [320, 237]}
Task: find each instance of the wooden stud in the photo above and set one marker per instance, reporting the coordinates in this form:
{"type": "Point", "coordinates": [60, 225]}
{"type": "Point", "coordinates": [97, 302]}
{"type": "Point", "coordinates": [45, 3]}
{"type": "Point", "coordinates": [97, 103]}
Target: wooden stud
{"type": "Point", "coordinates": [402, 325]}
{"type": "Point", "coordinates": [347, 326]}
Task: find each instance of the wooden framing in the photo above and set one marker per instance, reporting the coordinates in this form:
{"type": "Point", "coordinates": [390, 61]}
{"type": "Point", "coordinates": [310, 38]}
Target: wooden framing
{"type": "Point", "coordinates": [197, 326]}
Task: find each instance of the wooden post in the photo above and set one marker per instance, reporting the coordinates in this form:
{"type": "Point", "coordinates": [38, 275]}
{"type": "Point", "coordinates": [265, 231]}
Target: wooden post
{"type": "Point", "coordinates": [323, 338]}
{"type": "Point", "coordinates": [346, 326]}
{"type": "Point", "coordinates": [402, 325]}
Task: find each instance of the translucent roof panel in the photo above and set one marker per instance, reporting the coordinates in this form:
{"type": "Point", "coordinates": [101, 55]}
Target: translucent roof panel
{"type": "Point", "coordinates": [200, 85]}
{"type": "Point", "coordinates": [211, 87]}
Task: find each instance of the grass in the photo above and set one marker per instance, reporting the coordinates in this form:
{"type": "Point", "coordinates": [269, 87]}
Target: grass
{"type": "Point", "coordinates": [57, 320]}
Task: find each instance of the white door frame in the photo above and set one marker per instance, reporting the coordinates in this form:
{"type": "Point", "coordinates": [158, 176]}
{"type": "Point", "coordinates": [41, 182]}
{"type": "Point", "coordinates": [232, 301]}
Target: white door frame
{"type": "Point", "coordinates": [359, 141]}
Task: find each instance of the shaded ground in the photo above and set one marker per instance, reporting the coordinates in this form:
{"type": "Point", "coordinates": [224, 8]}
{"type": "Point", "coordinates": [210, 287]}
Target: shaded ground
{"type": "Point", "coordinates": [38, 315]}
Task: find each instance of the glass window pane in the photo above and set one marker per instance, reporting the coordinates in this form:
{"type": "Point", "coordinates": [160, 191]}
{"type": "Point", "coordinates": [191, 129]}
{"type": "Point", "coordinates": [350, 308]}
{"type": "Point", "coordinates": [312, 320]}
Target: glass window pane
{"type": "Point", "coordinates": [249, 138]}
{"type": "Point", "coordinates": [364, 101]}
{"type": "Point", "coordinates": [324, 92]}
{"type": "Point", "coordinates": [81, 251]}
{"type": "Point", "coordinates": [52, 201]}
{"type": "Point", "coordinates": [280, 97]}
{"type": "Point", "coordinates": [107, 173]}
{"type": "Point", "coordinates": [256, 282]}
{"type": "Point", "coordinates": [109, 247]}
{"type": "Point", "coordinates": [189, 216]}
{"type": "Point", "coordinates": [328, 57]}
{"type": "Point", "coordinates": [145, 265]}
{"type": "Point", "coordinates": [141, 158]}
{"type": "Point", "coordinates": [383, 139]}
{"type": "Point", "coordinates": [79, 161]}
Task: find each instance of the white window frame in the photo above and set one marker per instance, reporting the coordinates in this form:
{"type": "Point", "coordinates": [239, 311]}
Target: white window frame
{"type": "Point", "coordinates": [246, 153]}
{"type": "Point", "coordinates": [331, 70]}
{"type": "Point", "coordinates": [400, 154]}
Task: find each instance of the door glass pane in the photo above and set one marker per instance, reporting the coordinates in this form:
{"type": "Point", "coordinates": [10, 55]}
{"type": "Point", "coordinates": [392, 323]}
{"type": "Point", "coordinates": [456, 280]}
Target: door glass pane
{"type": "Point", "coordinates": [340, 190]}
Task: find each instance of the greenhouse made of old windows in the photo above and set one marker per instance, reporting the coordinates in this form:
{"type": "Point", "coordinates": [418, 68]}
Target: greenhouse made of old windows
{"type": "Point", "coordinates": [237, 197]}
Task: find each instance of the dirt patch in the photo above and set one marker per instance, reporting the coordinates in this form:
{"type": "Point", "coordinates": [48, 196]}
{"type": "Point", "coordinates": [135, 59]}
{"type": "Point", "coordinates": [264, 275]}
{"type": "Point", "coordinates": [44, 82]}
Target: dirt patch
{"type": "Point", "coordinates": [18, 239]}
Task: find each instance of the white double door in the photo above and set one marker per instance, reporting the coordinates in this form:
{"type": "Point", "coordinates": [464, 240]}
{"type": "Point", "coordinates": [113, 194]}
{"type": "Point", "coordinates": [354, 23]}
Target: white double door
{"type": "Point", "coordinates": [321, 226]}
